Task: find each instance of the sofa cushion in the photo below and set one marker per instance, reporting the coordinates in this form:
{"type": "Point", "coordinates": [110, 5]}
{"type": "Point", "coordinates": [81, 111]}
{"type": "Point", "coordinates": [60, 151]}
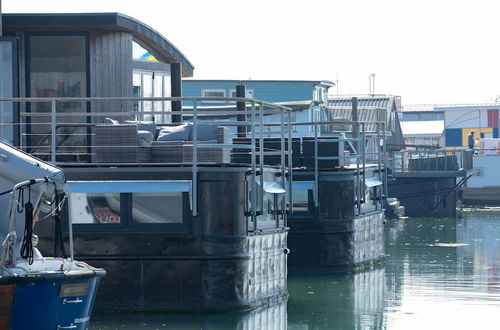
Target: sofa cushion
{"type": "Point", "coordinates": [144, 137]}
{"type": "Point", "coordinates": [111, 121]}
{"type": "Point", "coordinates": [175, 133]}
{"type": "Point", "coordinates": [205, 132]}
{"type": "Point", "coordinates": [149, 126]}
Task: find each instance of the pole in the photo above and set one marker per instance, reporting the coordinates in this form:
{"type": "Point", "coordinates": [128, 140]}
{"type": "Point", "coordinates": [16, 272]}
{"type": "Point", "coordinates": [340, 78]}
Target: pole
{"type": "Point", "coordinates": [1, 27]}
{"type": "Point", "coordinates": [354, 118]}
{"type": "Point", "coordinates": [241, 106]}
{"type": "Point", "coordinates": [176, 89]}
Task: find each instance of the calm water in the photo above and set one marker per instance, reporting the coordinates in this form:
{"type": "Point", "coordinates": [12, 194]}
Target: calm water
{"type": "Point", "coordinates": [438, 274]}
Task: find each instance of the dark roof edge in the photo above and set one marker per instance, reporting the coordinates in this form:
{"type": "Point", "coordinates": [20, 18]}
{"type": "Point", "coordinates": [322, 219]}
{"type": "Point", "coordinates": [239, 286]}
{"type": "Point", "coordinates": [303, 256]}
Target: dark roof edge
{"type": "Point", "coordinates": [121, 21]}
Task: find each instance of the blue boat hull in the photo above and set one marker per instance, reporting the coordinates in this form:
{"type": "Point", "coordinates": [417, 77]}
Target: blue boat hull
{"type": "Point", "coordinates": [49, 301]}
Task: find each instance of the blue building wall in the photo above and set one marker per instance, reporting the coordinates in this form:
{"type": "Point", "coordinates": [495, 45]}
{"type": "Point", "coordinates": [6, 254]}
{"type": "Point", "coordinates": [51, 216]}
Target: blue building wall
{"type": "Point", "coordinates": [265, 90]}
{"type": "Point", "coordinates": [453, 137]}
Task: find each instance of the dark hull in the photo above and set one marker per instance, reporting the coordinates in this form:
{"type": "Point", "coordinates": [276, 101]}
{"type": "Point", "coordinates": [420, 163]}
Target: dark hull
{"type": "Point", "coordinates": [352, 244]}
{"type": "Point", "coordinates": [335, 234]}
{"type": "Point", "coordinates": [213, 261]}
{"type": "Point", "coordinates": [428, 197]}
{"type": "Point", "coordinates": [192, 274]}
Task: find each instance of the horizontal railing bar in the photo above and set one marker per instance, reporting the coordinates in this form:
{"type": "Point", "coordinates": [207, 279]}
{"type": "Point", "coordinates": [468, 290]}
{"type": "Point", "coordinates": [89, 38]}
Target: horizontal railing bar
{"type": "Point", "coordinates": [225, 123]}
{"type": "Point", "coordinates": [221, 145]}
{"type": "Point", "coordinates": [136, 99]}
{"type": "Point", "coordinates": [134, 113]}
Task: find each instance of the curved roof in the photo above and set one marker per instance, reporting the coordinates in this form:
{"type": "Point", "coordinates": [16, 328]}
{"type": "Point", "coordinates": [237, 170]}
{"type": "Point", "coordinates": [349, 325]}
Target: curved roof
{"type": "Point", "coordinates": [102, 21]}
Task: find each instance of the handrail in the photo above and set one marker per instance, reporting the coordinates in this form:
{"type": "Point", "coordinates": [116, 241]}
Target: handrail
{"type": "Point", "coordinates": [132, 99]}
{"type": "Point", "coordinates": [418, 161]}
{"type": "Point", "coordinates": [48, 124]}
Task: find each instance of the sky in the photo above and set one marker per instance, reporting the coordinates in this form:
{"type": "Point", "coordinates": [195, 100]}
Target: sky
{"type": "Point", "coordinates": [426, 51]}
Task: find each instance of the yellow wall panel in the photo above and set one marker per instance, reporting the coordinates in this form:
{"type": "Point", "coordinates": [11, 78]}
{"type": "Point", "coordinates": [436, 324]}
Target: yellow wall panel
{"type": "Point", "coordinates": [477, 134]}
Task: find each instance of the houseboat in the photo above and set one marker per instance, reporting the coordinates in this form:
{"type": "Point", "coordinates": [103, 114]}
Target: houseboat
{"type": "Point", "coordinates": [154, 194]}
{"type": "Point", "coordinates": [338, 184]}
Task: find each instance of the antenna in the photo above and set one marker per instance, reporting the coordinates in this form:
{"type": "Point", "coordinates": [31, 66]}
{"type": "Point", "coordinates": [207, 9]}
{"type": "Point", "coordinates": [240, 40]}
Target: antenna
{"type": "Point", "coordinates": [336, 81]}
{"type": "Point", "coordinates": [371, 81]}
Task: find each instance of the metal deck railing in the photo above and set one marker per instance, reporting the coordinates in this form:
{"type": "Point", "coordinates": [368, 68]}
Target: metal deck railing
{"type": "Point", "coordinates": [362, 129]}
{"type": "Point", "coordinates": [429, 162]}
{"type": "Point", "coordinates": [64, 131]}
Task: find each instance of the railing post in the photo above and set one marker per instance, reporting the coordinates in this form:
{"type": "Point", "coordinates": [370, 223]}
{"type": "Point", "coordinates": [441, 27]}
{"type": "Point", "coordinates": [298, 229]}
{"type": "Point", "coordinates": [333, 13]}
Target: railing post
{"type": "Point", "coordinates": [283, 167]}
{"type": "Point", "coordinates": [358, 177]}
{"type": "Point", "coordinates": [316, 173]}
{"type": "Point", "coordinates": [53, 131]}
{"type": "Point", "coordinates": [195, 160]}
{"type": "Point", "coordinates": [261, 152]}
{"type": "Point", "coordinates": [254, 167]}
{"type": "Point", "coordinates": [290, 166]}
{"type": "Point", "coordinates": [379, 161]}
{"type": "Point", "coordinates": [384, 155]}
{"type": "Point", "coordinates": [363, 154]}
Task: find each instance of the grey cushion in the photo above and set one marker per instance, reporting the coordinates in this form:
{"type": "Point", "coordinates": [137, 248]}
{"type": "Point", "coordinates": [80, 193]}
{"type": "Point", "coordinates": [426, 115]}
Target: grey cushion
{"type": "Point", "coordinates": [149, 126]}
{"type": "Point", "coordinates": [111, 121]}
{"type": "Point", "coordinates": [175, 133]}
{"type": "Point", "coordinates": [144, 137]}
{"type": "Point", "coordinates": [205, 132]}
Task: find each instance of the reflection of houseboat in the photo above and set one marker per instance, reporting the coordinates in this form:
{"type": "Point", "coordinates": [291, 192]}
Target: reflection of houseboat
{"type": "Point", "coordinates": [177, 225]}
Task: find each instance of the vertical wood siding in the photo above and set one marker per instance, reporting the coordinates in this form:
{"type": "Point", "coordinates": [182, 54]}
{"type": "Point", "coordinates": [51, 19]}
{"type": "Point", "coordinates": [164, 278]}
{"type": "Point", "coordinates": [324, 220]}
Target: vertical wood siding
{"type": "Point", "coordinates": [110, 70]}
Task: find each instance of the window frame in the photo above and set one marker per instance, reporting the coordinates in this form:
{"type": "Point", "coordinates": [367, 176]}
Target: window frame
{"type": "Point", "coordinates": [309, 187]}
{"type": "Point", "coordinates": [15, 89]}
{"type": "Point", "coordinates": [146, 227]}
{"type": "Point", "coordinates": [127, 224]}
{"type": "Point", "coordinates": [156, 106]}
{"type": "Point", "coordinates": [203, 90]}
{"type": "Point", "coordinates": [27, 73]}
{"type": "Point", "coordinates": [249, 93]}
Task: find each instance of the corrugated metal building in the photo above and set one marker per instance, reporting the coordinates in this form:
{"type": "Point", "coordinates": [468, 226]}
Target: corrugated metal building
{"type": "Point", "coordinates": [341, 107]}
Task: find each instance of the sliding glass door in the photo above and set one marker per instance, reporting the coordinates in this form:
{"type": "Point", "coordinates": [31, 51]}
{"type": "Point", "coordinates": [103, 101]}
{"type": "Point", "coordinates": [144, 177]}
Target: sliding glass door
{"type": "Point", "coordinates": [9, 118]}
{"type": "Point", "coordinates": [57, 67]}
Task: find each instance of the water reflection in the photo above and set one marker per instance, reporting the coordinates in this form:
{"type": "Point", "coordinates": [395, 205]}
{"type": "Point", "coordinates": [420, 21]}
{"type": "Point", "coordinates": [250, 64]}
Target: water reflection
{"type": "Point", "coordinates": [438, 274]}
{"type": "Point", "coordinates": [336, 301]}
{"type": "Point", "coordinates": [443, 273]}
{"type": "Point", "coordinates": [272, 317]}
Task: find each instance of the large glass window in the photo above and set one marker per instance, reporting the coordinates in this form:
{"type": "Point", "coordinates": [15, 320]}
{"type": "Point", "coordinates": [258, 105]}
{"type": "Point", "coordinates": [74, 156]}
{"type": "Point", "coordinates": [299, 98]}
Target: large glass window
{"type": "Point", "coordinates": [147, 91]}
{"type": "Point", "coordinates": [157, 207]}
{"type": "Point", "coordinates": [88, 208]}
{"type": "Point", "coordinates": [57, 68]}
{"type": "Point", "coordinates": [152, 84]}
{"type": "Point", "coordinates": [131, 205]}
{"type": "Point", "coordinates": [249, 93]}
{"type": "Point", "coordinates": [301, 200]}
{"type": "Point", "coordinates": [7, 72]}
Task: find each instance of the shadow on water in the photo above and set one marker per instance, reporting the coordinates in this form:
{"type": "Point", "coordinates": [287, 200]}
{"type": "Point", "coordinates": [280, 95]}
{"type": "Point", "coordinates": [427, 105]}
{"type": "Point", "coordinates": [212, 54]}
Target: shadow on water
{"type": "Point", "coordinates": [438, 274]}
